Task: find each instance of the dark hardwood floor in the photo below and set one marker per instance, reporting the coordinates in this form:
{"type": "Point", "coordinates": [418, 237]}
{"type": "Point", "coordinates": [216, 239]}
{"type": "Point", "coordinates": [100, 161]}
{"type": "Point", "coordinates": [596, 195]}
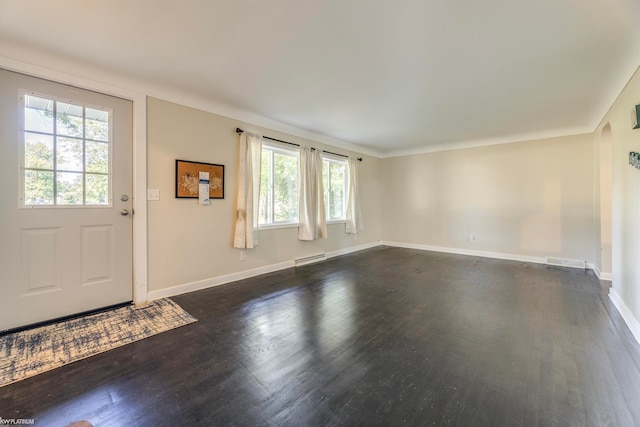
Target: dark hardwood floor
{"type": "Point", "coordinates": [385, 336]}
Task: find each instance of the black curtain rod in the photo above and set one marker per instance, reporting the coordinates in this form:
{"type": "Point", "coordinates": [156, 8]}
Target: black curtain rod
{"type": "Point", "coordinates": [238, 130]}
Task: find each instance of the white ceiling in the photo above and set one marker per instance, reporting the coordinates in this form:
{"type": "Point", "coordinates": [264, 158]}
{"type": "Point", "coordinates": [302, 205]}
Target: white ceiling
{"type": "Point", "coordinates": [392, 76]}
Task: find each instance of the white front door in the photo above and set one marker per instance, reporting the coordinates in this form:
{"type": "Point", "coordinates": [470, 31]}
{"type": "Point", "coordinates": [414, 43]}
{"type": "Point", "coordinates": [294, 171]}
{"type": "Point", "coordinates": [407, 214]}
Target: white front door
{"type": "Point", "coordinates": [65, 206]}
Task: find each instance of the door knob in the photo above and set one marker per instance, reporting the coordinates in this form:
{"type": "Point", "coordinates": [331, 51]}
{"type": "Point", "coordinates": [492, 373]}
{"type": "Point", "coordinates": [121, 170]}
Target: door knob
{"type": "Point", "coordinates": [124, 212]}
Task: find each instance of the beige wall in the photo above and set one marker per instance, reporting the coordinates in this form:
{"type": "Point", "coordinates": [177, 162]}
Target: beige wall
{"type": "Point", "coordinates": [625, 201]}
{"type": "Point", "coordinates": [531, 198]}
{"type": "Point", "coordinates": [189, 242]}
{"type": "Point", "coordinates": [604, 186]}
{"type": "Point", "coordinates": [537, 198]}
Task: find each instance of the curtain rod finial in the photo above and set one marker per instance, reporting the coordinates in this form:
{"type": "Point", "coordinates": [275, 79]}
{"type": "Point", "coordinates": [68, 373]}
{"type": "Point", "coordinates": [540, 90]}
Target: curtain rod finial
{"type": "Point", "coordinates": [238, 130]}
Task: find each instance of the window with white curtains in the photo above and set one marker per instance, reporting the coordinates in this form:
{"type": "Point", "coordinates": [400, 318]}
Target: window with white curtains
{"type": "Point", "coordinates": [278, 186]}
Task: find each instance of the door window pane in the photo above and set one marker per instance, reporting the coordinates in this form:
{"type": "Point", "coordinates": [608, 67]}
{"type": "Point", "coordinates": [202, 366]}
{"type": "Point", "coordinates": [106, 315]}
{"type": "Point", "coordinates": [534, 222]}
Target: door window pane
{"type": "Point", "coordinates": [97, 157]}
{"type": "Point", "coordinates": [38, 151]}
{"type": "Point", "coordinates": [38, 115]}
{"type": "Point", "coordinates": [66, 153]}
{"type": "Point", "coordinates": [69, 154]}
{"type": "Point", "coordinates": [97, 125]}
{"type": "Point", "coordinates": [38, 187]}
{"type": "Point", "coordinates": [69, 120]}
{"type": "Point", "coordinates": [69, 188]}
{"type": "Point", "coordinates": [97, 190]}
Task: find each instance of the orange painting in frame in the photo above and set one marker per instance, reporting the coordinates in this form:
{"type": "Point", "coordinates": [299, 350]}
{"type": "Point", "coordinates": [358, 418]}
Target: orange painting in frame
{"type": "Point", "coordinates": [187, 179]}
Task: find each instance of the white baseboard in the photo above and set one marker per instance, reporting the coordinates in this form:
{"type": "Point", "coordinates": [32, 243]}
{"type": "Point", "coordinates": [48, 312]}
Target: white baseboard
{"type": "Point", "coordinates": [352, 249]}
{"type": "Point", "coordinates": [626, 314]}
{"type": "Point", "coordinates": [471, 252]}
{"type": "Point", "coordinates": [217, 281]}
{"type": "Point", "coordinates": [488, 254]}
{"type": "Point", "coordinates": [221, 280]}
{"type": "Point", "coordinates": [608, 277]}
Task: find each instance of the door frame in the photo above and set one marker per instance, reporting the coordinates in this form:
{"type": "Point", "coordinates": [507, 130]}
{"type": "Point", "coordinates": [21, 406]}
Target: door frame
{"type": "Point", "coordinates": [139, 100]}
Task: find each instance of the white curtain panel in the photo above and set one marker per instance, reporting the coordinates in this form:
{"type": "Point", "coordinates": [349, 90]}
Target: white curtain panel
{"type": "Point", "coordinates": [246, 232]}
{"type": "Point", "coordinates": [354, 214]}
{"type": "Point", "coordinates": [312, 220]}
{"type": "Point", "coordinates": [321, 217]}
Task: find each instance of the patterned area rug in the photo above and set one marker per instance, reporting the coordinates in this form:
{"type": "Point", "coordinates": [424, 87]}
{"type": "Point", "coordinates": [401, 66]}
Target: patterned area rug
{"type": "Point", "coordinates": [27, 353]}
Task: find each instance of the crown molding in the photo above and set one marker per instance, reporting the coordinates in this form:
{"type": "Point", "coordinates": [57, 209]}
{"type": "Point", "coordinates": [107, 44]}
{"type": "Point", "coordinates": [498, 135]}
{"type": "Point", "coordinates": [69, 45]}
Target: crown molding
{"type": "Point", "coordinates": [509, 139]}
{"type": "Point", "coordinates": [41, 63]}
{"type": "Point", "coordinates": [254, 119]}
{"type": "Point", "coordinates": [618, 86]}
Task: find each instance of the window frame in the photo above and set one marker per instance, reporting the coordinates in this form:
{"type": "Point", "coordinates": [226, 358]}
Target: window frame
{"type": "Point", "coordinates": [327, 159]}
{"type": "Point", "coordinates": [275, 147]}
{"type": "Point", "coordinates": [23, 94]}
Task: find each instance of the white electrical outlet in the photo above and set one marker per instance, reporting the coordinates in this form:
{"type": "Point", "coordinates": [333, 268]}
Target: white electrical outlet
{"type": "Point", "coordinates": [243, 255]}
{"type": "Point", "coordinates": [153, 194]}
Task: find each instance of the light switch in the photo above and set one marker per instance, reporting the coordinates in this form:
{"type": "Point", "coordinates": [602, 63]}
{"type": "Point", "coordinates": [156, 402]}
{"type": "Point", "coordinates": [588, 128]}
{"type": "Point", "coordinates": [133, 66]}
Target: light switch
{"type": "Point", "coordinates": [153, 194]}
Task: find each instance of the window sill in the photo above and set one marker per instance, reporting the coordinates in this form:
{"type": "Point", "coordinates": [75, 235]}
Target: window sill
{"type": "Point", "coordinates": [294, 225]}
{"type": "Point", "coordinates": [276, 226]}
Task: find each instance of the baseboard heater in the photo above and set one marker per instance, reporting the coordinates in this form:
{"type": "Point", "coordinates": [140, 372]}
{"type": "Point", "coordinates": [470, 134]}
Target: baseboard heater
{"type": "Point", "coordinates": [309, 259]}
{"type": "Point", "coordinates": [562, 262]}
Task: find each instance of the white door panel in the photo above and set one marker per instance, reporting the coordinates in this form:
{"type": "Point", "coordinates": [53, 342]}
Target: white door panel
{"type": "Point", "coordinates": [58, 261]}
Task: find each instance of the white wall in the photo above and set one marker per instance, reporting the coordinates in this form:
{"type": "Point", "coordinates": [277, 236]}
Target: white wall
{"type": "Point", "coordinates": [625, 200]}
{"type": "Point", "coordinates": [531, 199]}
{"type": "Point", "coordinates": [193, 243]}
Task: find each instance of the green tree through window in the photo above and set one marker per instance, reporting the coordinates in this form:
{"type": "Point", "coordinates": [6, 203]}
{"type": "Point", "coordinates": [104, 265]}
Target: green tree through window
{"type": "Point", "coordinates": [335, 180]}
{"type": "Point", "coordinates": [278, 186]}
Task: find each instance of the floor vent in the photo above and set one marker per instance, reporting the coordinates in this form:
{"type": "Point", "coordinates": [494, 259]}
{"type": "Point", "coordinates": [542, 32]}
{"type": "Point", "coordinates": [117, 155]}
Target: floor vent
{"type": "Point", "coordinates": [573, 263]}
{"type": "Point", "coordinates": [309, 259]}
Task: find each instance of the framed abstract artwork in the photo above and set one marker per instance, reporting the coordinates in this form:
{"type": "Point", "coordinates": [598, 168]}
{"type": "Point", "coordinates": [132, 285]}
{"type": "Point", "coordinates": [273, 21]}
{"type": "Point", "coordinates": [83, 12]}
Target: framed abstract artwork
{"type": "Point", "coordinates": [187, 179]}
